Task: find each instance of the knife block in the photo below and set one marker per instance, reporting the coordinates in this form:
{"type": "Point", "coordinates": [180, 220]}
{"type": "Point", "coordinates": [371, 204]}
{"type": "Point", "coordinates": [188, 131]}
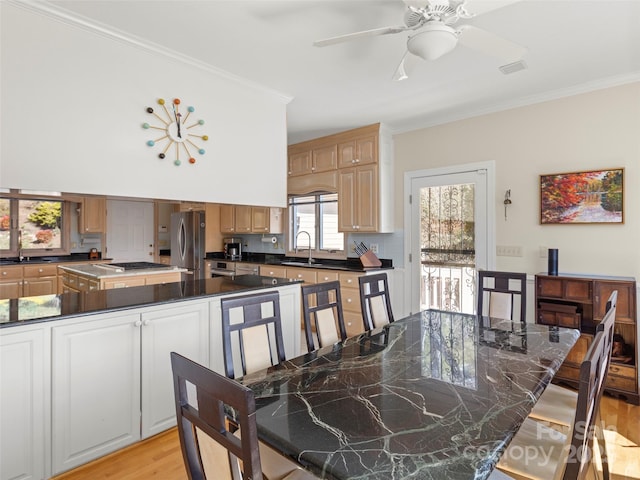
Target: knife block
{"type": "Point", "coordinates": [369, 259]}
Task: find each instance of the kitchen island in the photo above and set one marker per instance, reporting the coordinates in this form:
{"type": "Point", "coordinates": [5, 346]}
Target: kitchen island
{"type": "Point", "coordinates": [86, 373]}
{"type": "Point", "coordinates": [102, 276]}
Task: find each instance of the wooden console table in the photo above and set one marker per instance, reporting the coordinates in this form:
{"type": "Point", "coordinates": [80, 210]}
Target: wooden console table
{"type": "Point", "coordinates": [579, 301]}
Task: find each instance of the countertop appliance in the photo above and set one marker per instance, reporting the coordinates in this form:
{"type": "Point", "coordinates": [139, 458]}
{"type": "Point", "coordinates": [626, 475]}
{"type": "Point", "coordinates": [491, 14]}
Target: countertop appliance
{"type": "Point", "coordinates": [223, 269]}
{"type": "Point", "coordinates": [188, 242]}
{"type": "Point", "coordinates": [233, 248]}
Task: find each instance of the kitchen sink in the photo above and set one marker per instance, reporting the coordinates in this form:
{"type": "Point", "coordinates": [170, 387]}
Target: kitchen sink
{"type": "Point", "coordinates": [301, 264]}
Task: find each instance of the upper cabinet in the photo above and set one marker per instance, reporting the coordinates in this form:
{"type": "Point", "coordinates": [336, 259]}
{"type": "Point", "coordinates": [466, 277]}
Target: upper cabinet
{"type": "Point", "coordinates": [239, 219]}
{"type": "Point", "coordinates": [92, 215]}
{"type": "Point", "coordinates": [358, 165]}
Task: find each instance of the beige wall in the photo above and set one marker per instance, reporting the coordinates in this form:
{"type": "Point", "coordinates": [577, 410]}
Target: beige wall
{"type": "Point", "coordinates": [598, 130]}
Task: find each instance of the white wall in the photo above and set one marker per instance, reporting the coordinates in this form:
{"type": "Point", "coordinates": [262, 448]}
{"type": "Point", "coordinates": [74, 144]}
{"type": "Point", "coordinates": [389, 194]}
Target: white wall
{"type": "Point", "coordinates": [598, 130]}
{"type": "Point", "coordinates": [73, 104]}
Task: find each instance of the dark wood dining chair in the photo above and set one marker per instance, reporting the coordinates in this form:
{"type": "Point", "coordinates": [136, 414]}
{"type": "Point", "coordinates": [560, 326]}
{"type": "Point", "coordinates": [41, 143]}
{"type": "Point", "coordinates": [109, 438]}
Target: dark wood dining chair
{"type": "Point", "coordinates": [557, 404]}
{"type": "Point", "coordinates": [322, 312]}
{"type": "Point", "coordinates": [502, 295]}
{"type": "Point", "coordinates": [211, 448]}
{"type": "Point", "coordinates": [375, 301]}
{"type": "Point", "coordinates": [252, 332]}
{"type": "Point", "coordinates": [567, 457]}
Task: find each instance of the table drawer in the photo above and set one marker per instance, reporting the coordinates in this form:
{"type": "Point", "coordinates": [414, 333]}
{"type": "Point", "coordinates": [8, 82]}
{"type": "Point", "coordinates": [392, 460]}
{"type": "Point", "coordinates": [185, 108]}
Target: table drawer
{"type": "Point", "coordinates": [622, 370]}
{"type": "Point", "coordinates": [620, 383]}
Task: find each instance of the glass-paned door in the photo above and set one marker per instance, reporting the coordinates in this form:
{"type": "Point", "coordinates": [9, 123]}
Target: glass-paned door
{"type": "Point", "coordinates": [448, 239]}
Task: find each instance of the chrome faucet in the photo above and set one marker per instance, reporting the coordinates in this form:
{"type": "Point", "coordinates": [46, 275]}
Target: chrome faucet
{"type": "Point", "coordinates": [295, 247]}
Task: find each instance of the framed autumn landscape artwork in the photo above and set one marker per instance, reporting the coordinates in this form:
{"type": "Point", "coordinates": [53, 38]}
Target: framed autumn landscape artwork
{"type": "Point", "coordinates": [582, 197]}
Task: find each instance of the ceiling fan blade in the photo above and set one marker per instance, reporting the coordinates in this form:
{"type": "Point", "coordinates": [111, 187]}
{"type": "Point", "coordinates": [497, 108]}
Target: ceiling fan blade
{"type": "Point", "coordinates": [364, 33]}
{"type": "Point", "coordinates": [490, 43]}
{"type": "Point", "coordinates": [406, 66]}
{"type": "Point", "coordinates": [478, 7]}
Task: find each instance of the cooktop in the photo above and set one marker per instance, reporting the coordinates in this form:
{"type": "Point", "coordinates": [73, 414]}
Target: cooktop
{"type": "Point", "coordinates": [138, 265]}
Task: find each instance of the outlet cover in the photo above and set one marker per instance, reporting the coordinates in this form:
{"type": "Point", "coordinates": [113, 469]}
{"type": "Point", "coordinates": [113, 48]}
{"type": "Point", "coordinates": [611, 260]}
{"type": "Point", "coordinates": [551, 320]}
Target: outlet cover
{"type": "Point", "coordinates": [373, 247]}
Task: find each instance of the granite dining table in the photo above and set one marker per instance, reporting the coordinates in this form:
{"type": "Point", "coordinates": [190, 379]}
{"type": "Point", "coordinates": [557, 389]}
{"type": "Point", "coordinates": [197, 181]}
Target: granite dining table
{"type": "Point", "coordinates": [436, 395]}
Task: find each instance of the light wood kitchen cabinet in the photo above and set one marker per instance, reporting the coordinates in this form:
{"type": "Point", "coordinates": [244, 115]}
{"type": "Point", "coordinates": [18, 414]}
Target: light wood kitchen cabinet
{"type": "Point", "coordinates": [318, 158]}
{"type": "Point", "coordinates": [363, 179]}
{"type": "Point", "coordinates": [273, 271]}
{"type": "Point", "coordinates": [111, 378]}
{"type": "Point", "coordinates": [25, 402]}
{"type": "Point", "coordinates": [227, 219]}
{"type": "Point", "coordinates": [10, 282]}
{"type": "Point", "coordinates": [240, 219]}
{"type": "Point", "coordinates": [191, 206]}
{"type": "Point", "coordinates": [358, 199]}
{"type": "Point", "coordinates": [359, 151]}
{"type": "Point", "coordinates": [267, 220]}
{"type": "Point", "coordinates": [92, 216]}
{"type": "Point", "coordinates": [214, 238]}
{"type": "Point", "coordinates": [243, 219]}
{"type": "Point", "coordinates": [580, 302]}
{"type": "Point", "coordinates": [40, 280]}
{"type": "Point", "coordinates": [350, 292]}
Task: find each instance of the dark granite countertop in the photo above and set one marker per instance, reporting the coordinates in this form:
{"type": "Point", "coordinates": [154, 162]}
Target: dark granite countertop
{"type": "Point", "coordinates": [74, 257]}
{"type": "Point", "coordinates": [437, 395]}
{"type": "Point", "coordinates": [45, 308]}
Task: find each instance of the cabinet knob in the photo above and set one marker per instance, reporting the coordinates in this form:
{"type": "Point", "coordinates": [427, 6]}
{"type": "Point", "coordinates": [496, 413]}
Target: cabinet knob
{"type": "Point", "coordinates": [39, 270]}
{"type": "Point", "coordinates": [4, 273]}
{"type": "Point", "coordinates": [145, 322]}
{"type": "Point", "coordinates": [137, 323]}
{"type": "Point", "coordinates": [349, 281]}
{"type": "Point", "coordinates": [348, 300]}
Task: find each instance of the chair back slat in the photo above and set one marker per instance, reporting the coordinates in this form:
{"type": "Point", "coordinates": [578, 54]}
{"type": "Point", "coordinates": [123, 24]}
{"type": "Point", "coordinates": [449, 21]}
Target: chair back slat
{"type": "Point", "coordinates": [209, 449]}
{"type": "Point", "coordinates": [322, 311]}
{"type": "Point", "coordinates": [253, 324]}
{"type": "Point", "coordinates": [502, 295]}
{"type": "Point", "coordinates": [375, 301]}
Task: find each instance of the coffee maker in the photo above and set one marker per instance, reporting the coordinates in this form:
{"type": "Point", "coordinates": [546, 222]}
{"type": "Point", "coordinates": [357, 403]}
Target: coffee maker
{"type": "Point", "coordinates": [233, 248]}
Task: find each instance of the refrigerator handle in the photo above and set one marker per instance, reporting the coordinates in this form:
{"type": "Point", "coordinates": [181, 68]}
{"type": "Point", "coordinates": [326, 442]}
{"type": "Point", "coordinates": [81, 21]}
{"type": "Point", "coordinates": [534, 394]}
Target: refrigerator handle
{"type": "Point", "coordinates": [182, 240]}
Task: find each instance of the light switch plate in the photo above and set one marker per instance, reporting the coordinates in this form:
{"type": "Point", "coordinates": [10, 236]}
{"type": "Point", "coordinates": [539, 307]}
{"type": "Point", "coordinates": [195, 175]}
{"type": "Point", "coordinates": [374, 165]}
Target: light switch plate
{"type": "Point", "coordinates": [508, 251]}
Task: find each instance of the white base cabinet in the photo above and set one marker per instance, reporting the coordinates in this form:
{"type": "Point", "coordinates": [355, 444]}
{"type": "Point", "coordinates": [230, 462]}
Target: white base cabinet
{"type": "Point", "coordinates": [96, 388]}
{"type": "Point", "coordinates": [24, 403]}
{"type": "Point", "coordinates": [112, 382]}
{"type": "Point", "coordinates": [181, 329]}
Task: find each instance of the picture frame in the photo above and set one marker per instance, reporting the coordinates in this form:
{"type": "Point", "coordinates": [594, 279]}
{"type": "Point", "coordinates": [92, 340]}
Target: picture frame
{"type": "Point", "coordinates": [587, 197]}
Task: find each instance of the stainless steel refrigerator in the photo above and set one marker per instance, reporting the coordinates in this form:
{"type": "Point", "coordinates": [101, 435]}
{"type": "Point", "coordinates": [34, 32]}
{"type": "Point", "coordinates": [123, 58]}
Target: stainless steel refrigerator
{"type": "Point", "coordinates": [188, 243]}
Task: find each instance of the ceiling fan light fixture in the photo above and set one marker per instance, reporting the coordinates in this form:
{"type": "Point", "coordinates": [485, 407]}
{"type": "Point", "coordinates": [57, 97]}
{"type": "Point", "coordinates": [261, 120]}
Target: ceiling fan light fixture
{"type": "Point", "coordinates": [433, 42]}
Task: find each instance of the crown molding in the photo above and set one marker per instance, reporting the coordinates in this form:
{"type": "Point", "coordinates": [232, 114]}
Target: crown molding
{"type": "Point", "coordinates": [525, 101]}
{"type": "Point", "coordinates": [65, 16]}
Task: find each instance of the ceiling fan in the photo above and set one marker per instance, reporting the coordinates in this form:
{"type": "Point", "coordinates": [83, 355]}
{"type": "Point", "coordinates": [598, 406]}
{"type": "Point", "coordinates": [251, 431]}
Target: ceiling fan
{"type": "Point", "coordinates": [433, 21]}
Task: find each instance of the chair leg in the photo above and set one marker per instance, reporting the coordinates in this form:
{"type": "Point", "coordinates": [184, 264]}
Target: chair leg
{"type": "Point", "coordinates": [602, 446]}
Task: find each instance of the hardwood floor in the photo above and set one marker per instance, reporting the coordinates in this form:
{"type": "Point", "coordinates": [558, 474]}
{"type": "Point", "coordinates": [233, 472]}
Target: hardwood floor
{"type": "Point", "coordinates": [160, 457]}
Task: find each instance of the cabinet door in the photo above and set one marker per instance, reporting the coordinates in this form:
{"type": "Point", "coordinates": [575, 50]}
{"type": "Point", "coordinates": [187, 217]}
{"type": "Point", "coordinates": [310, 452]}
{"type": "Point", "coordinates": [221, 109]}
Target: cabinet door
{"type": "Point", "coordinates": [24, 403]}
{"type": "Point", "coordinates": [300, 163]}
{"type": "Point", "coordinates": [325, 159]}
{"type": "Point", "coordinates": [626, 306]}
{"type": "Point", "coordinates": [213, 235]}
{"type": "Point", "coordinates": [274, 271]}
{"type": "Point", "coordinates": [40, 286]}
{"type": "Point", "coordinates": [184, 330]}
{"type": "Point", "coordinates": [227, 218]}
{"type": "Point", "coordinates": [95, 388]}
{"type": "Point", "coordinates": [361, 151]}
{"type": "Point", "coordinates": [347, 200]}
{"type": "Point", "coordinates": [10, 282]}
{"type": "Point", "coordinates": [243, 219]}
{"type": "Point", "coordinates": [92, 217]}
{"type": "Point", "coordinates": [366, 198]}
{"type": "Point", "coordinates": [307, 275]}
{"type": "Point", "coordinates": [260, 219]}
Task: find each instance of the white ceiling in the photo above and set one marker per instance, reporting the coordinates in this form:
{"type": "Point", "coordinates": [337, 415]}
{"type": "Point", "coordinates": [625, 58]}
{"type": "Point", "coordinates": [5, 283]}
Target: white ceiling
{"type": "Point", "coordinates": [573, 46]}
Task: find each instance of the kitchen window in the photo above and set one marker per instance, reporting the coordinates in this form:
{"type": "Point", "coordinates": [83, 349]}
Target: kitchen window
{"type": "Point", "coordinates": [316, 215]}
{"type": "Point", "coordinates": [33, 226]}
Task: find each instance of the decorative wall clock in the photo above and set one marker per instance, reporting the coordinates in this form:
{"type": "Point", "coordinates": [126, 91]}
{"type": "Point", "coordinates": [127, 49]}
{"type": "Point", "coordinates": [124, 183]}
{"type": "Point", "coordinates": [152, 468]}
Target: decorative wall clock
{"type": "Point", "coordinates": [177, 131]}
